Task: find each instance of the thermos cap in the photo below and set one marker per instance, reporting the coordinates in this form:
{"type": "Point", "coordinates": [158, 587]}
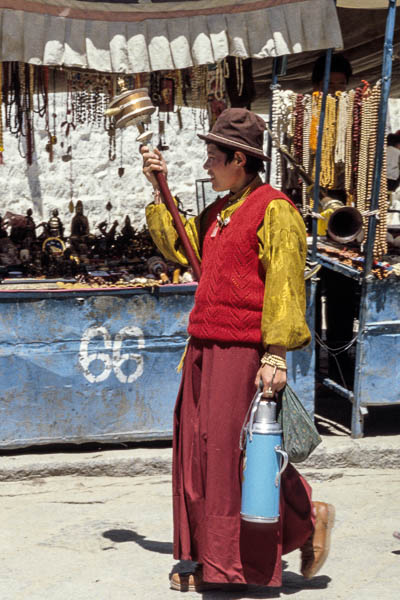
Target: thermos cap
{"type": "Point", "coordinates": [265, 418]}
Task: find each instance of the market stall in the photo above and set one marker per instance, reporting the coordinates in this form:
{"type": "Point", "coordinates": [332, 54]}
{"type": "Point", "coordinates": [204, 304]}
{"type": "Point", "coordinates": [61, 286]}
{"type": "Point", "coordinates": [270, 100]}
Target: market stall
{"type": "Point", "coordinates": [335, 146]}
{"type": "Point", "coordinates": [91, 335]}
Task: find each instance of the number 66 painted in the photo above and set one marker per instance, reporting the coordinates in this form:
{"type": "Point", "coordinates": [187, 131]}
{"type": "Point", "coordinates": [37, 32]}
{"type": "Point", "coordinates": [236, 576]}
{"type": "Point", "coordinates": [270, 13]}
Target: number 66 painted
{"type": "Point", "coordinates": [112, 357]}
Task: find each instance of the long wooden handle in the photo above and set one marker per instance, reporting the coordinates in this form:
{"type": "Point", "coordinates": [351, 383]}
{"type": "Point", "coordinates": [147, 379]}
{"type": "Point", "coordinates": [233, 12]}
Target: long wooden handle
{"type": "Point", "coordinates": [170, 204]}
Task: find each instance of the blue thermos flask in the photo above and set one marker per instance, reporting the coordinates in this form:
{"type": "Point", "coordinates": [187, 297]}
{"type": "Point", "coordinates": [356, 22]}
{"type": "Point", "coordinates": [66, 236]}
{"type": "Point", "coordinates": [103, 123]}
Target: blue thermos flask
{"type": "Point", "coordinates": [263, 462]}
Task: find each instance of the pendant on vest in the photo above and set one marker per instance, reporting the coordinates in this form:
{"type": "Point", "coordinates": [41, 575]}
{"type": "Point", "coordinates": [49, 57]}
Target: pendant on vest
{"type": "Point", "coordinates": [220, 224]}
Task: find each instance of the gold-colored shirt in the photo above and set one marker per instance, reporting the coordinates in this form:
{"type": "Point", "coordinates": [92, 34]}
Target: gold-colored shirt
{"type": "Point", "coordinates": [282, 252]}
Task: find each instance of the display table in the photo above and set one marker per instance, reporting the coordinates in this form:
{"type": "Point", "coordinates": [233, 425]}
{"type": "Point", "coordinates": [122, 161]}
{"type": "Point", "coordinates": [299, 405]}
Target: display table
{"type": "Point", "coordinates": [90, 365]}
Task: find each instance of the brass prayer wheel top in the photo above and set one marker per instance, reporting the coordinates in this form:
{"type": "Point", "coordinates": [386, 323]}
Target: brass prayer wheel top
{"type": "Point", "coordinates": [131, 107]}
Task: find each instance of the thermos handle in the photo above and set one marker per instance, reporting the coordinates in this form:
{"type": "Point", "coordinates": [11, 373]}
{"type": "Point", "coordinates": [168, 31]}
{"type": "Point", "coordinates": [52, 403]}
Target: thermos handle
{"type": "Point", "coordinates": [248, 424]}
{"type": "Point", "coordinates": [285, 461]}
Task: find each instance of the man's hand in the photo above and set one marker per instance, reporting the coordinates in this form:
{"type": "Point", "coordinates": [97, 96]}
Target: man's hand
{"type": "Point", "coordinates": [266, 374]}
{"type": "Point", "coordinates": [276, 383]}
{"type": "Point", "coordinates": [153, 161]}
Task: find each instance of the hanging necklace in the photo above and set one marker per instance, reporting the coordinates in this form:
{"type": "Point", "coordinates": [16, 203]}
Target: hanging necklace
{"type": "Point", "coordinates": [356, 140]}
{"type": "Point", "coordinates": [348, 172]}
{"type": "Point", "coordinates": [298, 128]}
{"type": "Point", "coordinates": [316, 102]}
{"type": "Point", "coordinates": [328, 145]}
{"type": "Point", "coordinates": [239, 75]}
{"type": "Point", "coordinates": [49, 145]}
{"type": "Point", "coordinates": [54, 115]}
{"type": "Point", "coordinates": [306, 150]}
{"type": "Point", "coordinates": [340, 146]}
{"type": "Point", "coordinates": [121, 169]}
{"type": "Point", "coordinates": [362, 166]}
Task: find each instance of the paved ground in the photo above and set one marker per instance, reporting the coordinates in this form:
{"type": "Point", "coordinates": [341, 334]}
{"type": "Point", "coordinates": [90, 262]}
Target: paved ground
{"type": "Point", "coordinates": [101, 538]}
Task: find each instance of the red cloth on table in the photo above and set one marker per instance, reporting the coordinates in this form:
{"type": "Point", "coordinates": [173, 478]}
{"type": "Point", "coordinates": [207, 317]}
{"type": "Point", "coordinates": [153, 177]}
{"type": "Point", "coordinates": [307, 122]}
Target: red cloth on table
{"type": "Point", "coordinates": [217, 387]}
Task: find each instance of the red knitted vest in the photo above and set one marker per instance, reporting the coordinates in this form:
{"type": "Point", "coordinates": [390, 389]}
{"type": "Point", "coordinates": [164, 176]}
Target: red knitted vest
{"type": "Point", "coordinates": [229, 298]}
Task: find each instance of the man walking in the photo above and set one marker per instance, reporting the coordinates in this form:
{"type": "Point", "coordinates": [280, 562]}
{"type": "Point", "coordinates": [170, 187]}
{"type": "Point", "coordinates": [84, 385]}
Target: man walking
{"type": "Point", "coordinates": [249, 311]}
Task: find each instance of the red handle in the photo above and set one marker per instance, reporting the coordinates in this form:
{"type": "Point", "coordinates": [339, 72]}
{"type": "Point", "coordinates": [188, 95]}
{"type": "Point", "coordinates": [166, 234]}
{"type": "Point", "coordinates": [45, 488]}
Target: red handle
{"type": "Point", "coordinates": [169, 201]}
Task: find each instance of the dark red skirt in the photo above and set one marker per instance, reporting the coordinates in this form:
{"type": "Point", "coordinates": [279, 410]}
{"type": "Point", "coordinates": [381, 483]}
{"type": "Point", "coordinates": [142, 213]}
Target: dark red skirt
{"type": "Point", "coordinates": [217, 387]}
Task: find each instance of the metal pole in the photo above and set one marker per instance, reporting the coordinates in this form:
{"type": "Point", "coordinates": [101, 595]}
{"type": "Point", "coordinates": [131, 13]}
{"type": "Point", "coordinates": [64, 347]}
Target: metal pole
{"type": "Point", "coordinates": [274, 82]}
{"type": "Point", "coordinates": [325, 85]}
{"type": "Point", "coordinates": [386, 81]}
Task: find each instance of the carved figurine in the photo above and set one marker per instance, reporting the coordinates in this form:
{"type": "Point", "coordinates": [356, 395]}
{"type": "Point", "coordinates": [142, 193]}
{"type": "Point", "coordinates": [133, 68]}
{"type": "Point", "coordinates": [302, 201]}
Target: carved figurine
{"type": "Point", "coordinates": [30, 227]}
{"type": "Point", "coordinates": [127, 232]}
{"type": "Point", "coordinates": [80, 235]}
{"type": "Point", "coordinates": [80, 223]}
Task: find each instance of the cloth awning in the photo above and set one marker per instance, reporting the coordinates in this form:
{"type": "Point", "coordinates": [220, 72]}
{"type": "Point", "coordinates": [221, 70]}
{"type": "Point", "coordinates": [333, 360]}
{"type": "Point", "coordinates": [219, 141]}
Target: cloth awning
{"type": "Point", "coordinates": [363, 38]}
{"type": "Point", "coordinates": [149, 36]}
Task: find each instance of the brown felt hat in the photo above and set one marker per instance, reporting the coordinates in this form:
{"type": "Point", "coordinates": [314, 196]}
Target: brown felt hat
{"type": "Point", "coordinates": [239, 129]}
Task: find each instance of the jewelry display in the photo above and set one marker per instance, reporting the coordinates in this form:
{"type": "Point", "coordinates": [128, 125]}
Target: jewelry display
{"type": "Point", "coordinates": [347, 153]}
{"type": "Point", "coordinates": [29, 93]}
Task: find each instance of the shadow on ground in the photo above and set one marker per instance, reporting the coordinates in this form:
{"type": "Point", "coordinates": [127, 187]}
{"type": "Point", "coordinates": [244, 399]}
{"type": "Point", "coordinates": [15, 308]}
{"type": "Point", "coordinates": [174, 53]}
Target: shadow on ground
{"type": "Point", "coordinates": [129, 535]}
{"type": "Point", "coordinates": [291, 584]}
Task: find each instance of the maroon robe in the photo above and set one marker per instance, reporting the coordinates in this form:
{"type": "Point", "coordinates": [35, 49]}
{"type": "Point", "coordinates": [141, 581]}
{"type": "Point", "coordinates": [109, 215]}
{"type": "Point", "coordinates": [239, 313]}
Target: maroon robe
{"type": "Point", "coordinates": [217, 387]}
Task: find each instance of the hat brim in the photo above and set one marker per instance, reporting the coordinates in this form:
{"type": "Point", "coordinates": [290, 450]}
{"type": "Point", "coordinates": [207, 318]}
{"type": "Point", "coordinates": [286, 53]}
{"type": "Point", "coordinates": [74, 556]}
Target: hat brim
{"type": "Point", "coordinates": [233, 145]}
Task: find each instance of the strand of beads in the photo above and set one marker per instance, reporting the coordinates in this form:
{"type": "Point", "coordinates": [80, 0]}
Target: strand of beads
{"type": "Point", "coordinates": [348, 172]}
{"type": "Point", "coordinates": [298, 128]}
{"type": "Point", "coordinates": [381, 243]}
{"type": "Point", "coordinates": [199, 86]}
{"type": "Point", "coordinates": [199, 76]}
{"type": "Point", "coordinates": [356, 139]}
{"type": "Point", "coordinates": [340, 146]}
{"type": "Point", "coordinates": [291, 122]}
{"type": "Point", "coordinates": [372, 108]}
{"type": "Point", "coordinates": [219, 91]}
{"type": "Point", "coordinates": [362, 170]}
{"type": "Point", "coordinates": [275, 156]}
{"type": "Point", "coordinates": [328, 144]}
{"type": "Point", "coordinates": [306, 150]}
{"type": "Point", "coordinates": [282, 110]}
{"type": "Point", "coordinates": [239, 75]}
{"type": "Point", "coordinates": [316, 102]}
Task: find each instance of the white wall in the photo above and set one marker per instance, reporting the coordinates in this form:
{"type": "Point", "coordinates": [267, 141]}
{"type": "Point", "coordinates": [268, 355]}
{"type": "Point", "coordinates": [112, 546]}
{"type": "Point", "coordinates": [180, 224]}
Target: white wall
{"type": "Point", "coordinates": [44, 185]}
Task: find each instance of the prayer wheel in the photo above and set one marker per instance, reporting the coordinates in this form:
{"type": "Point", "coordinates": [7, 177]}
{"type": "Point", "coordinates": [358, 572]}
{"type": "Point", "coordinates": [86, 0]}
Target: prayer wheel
{"type": "Point", "coordinates": [134, 107]}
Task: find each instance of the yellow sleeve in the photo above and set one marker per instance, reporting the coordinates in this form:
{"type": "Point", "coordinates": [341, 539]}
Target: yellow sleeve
{"type": "Point", "coordinates": [164, 235]}
{"type": "Point", "coordinates": [282, 251]}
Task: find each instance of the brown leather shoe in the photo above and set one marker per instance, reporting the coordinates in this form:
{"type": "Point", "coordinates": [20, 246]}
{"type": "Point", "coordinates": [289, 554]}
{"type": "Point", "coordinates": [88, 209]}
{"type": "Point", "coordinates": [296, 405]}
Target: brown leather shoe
{"type": "Point", "coordinates": [192, 582]}
{"type": "Point", "coordinates": [316, 549]}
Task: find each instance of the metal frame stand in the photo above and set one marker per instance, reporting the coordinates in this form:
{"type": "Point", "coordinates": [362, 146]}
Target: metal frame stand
{"type": "Point", "coordinates": [378, 298]}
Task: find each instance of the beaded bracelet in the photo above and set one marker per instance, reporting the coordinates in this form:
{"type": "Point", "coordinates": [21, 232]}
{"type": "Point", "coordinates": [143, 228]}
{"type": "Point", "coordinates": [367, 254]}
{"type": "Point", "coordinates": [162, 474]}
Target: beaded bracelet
{"type": "Point", "coordinates": [273, 360]}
